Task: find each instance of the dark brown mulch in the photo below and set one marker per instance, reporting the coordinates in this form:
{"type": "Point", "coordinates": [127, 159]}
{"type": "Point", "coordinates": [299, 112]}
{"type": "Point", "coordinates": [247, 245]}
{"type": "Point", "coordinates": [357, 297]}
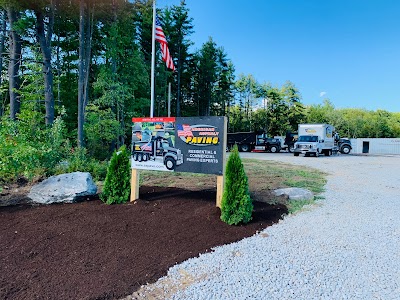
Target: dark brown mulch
{"type": "Point", "coordinates": [90, 250]}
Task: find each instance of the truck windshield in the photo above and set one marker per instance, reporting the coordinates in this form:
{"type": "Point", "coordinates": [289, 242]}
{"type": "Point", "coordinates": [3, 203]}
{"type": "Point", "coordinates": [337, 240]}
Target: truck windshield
{"type": "Point", "coordinates": [165, 144]}
{"type": "Point", "coordinates": [308, 138]}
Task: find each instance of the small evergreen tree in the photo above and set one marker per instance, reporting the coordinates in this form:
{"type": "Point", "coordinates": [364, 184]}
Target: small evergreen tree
{"type": "Point", "coordinates": [236, 206]}
{"type": "Point", "coordinates": [117, 184]}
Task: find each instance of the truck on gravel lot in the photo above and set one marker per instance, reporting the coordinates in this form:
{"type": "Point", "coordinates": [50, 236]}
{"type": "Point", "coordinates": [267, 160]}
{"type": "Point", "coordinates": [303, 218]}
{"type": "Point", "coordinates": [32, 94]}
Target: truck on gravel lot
{"type": "Point", "coordinates": [157, 148]}
{"type": "Point", "coordinates": [315, 139]}
{"type": "Point", "coordinates": [344, 145]}
{"type": "Point", "coordinates": [253, 141]}
{"type": "Point", "coordinates": [287, 142]}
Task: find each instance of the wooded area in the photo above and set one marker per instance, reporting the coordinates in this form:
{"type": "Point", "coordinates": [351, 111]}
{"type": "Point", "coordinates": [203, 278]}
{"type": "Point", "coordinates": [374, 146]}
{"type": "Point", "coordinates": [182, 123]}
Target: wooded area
{"type": "Point", "coordinates": [74, 73]}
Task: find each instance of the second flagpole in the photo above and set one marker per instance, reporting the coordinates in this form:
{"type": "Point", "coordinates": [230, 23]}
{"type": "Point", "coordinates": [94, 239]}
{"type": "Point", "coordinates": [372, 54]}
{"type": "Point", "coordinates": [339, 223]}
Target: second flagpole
{"type": "Point", "coordinates": [153, 59]}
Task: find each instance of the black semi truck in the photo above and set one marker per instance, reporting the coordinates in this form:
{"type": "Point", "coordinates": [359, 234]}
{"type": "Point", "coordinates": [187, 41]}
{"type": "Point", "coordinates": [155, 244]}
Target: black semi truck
{"type": "Point", "coordinates": [253, 141]}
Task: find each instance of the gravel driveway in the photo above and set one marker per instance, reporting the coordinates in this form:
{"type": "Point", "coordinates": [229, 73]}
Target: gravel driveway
{"type": "Point", "coordinates": [345, 247]}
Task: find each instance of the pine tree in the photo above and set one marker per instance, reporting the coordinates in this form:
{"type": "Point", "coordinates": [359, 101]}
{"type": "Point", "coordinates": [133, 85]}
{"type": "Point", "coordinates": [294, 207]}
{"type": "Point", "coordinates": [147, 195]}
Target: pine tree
{"type": "Point", "coordinates": [236, 206]}
{"type": "Point", "coordinates": [117, 184]}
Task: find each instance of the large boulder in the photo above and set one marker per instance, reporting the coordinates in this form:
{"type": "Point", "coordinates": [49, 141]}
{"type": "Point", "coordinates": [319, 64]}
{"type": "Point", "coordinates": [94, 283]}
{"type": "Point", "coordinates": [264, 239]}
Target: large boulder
{"type": "Point", "coordinates": [294, 194]}
{"type": "Point", "coordinates": [63, 188]}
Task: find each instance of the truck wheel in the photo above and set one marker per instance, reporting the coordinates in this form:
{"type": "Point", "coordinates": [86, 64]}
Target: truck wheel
{"type": "Point", "coordinates": [291, 148]}
{"type": "Point", "coordinates": [273, 149]}
{"type": "Point", "coordinates": [145, 157]}
{"type": "Point", "coordinates": [135, 156]}
{"type": "Point", "coordinates": [328, 152]}
{"type": "Point", "coordinates": [345, 149]}
{"type": "Point", "coordinates": [170, 163]}
{"type": "Point", "coordinates": [317, 153]}
{"type": "Point", "coordinates": [140, 156]}
{"type": "Point", "coordinates": [245, 148]}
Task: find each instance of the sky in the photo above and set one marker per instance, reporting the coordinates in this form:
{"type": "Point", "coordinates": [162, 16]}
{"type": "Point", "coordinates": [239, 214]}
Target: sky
{"type": "Point", "coordinates": [347, 51]}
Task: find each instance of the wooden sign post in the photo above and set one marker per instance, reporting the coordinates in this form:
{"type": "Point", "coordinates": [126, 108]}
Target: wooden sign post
{"type": "Point", "coordinates": [221, 178]}
{"type": "Point", "coordinates": [134, 185]}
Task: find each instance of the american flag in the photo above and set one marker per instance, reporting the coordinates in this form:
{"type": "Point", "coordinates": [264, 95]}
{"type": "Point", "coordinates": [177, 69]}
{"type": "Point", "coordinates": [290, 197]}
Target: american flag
{"type": "Point", "coordinates": [146, 147]}
{"type": "Point", "coordinates": [184, 130]}
{"type": "Point", "coordinates": [160, 37]}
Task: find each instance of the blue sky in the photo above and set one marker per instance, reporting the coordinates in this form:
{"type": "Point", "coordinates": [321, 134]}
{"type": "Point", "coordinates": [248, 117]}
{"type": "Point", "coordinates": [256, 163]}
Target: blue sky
{"type": "Point", "coordinates": [344, 50]}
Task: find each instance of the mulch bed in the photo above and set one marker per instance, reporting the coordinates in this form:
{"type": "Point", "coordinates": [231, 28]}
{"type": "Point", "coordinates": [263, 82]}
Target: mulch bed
{"type": "Point", "coordinates": [90, 250]}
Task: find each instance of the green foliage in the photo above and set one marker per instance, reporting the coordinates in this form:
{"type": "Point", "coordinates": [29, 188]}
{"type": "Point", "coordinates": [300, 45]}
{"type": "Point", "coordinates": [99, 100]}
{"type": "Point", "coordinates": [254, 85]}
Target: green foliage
{"type": "Point", "coordinates": [313, 185]}
{"type": "Point", "coordinates": [356, 123]}
{"type": "Point", "coordinates": [101, 130]}
{"type": "Point", "coordinates": [236, 123]}
{"type": "Point", "coordinates": [295, 206]}
{"type": "Point", "coordinates": [117, 184]}
{"type": "Point", "coordinates": [206, 79]}
{"type": "Point", "coordinates": [296, 110]}
{"type": "Point", "coordinates": [278, 109]}
{"type": "Point", "coordinates": [236, 206]}
{"type": "Point", "coordinates": [178, 26]}
{"type": "Point", "coordinates": [248, 91]}
{"type": "Point", "coordinates": [30, 149]}
{"type": "Point", "coordinates": [79, 160]}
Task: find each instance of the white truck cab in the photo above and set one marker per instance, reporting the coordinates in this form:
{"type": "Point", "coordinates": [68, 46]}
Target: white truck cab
{"type": "Point", "coordinates": [315, 139]}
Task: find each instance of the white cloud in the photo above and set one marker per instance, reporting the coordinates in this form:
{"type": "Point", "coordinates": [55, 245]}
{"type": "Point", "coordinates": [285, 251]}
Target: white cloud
{"type": "Point", "coordinates": [322, 94]}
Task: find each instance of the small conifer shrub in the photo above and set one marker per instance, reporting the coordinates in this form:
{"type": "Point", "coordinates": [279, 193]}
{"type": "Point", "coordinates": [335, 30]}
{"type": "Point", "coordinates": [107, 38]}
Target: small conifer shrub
{"type": "Point", "coordinates": [117, 187]}
{"type": "Point", "coordinates": [236, 205]}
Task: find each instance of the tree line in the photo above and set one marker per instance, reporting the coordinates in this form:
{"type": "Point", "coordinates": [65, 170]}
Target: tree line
{"type": "Point", "coordinates": [90, 62]}
{"type": "Point", "coordinates": [84, 67]}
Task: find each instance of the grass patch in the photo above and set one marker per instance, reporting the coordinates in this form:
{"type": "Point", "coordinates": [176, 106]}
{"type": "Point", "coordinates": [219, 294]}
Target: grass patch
{"type": "Point", "coordinates": [314, 186]}
{"type": "Point", "coordinates": [264, 176]}
{"type": "Point", "coordinates": [176, 179]}
{"type": "Point", "coordinates": [279, 175]}
{"type": "Point", "coordinates": [299, 205]}
{"type": "Point", "coordinates": [272, 175]}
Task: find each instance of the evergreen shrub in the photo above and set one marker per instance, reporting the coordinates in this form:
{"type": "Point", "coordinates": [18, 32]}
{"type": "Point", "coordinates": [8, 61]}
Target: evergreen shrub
{"type": "Point", "coordinates": [236, 205]}
{"type": "Point", "coordinates": [117, 184]}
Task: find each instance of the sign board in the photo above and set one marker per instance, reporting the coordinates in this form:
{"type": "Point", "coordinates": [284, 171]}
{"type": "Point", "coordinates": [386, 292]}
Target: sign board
{"type": "Point", "coordinates": [181, 144]}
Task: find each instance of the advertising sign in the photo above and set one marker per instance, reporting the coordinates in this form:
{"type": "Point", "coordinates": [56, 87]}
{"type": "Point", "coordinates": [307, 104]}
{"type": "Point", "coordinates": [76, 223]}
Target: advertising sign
{"type": "Point", "coordinates": [195, 144]}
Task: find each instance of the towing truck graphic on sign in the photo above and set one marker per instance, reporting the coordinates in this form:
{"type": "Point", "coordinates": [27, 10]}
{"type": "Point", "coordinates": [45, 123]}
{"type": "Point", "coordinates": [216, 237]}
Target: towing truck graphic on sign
{"type": "Point", "coordinates": [158, 148]}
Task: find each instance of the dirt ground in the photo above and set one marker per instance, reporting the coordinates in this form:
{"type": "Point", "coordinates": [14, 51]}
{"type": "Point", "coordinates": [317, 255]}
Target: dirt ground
{"type": "Point", "coordinates": [90, 250]}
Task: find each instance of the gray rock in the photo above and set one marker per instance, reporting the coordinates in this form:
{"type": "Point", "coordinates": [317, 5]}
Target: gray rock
{"type": "Point", "coordinates": [295, 193]}
{"type": "Point", "coordinates": [63, 188]}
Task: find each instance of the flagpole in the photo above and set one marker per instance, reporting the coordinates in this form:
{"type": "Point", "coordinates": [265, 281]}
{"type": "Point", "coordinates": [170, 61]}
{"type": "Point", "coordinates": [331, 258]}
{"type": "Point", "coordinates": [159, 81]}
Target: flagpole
{"type": "Point", "coordinates": [153, 59]}
{"type": "Point", "coordinates": [169, 99]}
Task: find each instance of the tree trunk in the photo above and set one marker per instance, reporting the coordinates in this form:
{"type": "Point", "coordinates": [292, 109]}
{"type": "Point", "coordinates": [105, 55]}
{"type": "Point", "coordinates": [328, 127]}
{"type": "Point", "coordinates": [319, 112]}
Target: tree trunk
{"type": "Point", "coordinates": [2, 38]}
{"type": "Point", "coordinates": [118, 105]}
{"type": "Point", "coordinates": [81, 76]}
{"type": "Point", "coordinates": [44, 39]}
{"type": "Point", "coordinates": [88, 54]}
{"type": "Point", "coordinates": [14, 64]}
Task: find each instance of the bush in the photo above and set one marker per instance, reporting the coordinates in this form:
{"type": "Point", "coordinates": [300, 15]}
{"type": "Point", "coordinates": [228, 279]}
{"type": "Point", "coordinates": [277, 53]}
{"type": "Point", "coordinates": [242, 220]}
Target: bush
{"type": "Point", "coordinates": [117, 184]}
{"type": "Point", "coordinates": [236, 205]}
{"type": "Point", "coordinates": [101, 130]}
{"type": "Point", "coordinates": [30, 149]}
{"type": "Point", "coordinates": [79, 160]}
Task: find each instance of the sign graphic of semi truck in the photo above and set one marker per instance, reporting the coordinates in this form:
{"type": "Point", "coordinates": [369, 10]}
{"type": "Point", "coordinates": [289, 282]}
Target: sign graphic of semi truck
{"type": "Point", "coordinates": [155, 149]}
